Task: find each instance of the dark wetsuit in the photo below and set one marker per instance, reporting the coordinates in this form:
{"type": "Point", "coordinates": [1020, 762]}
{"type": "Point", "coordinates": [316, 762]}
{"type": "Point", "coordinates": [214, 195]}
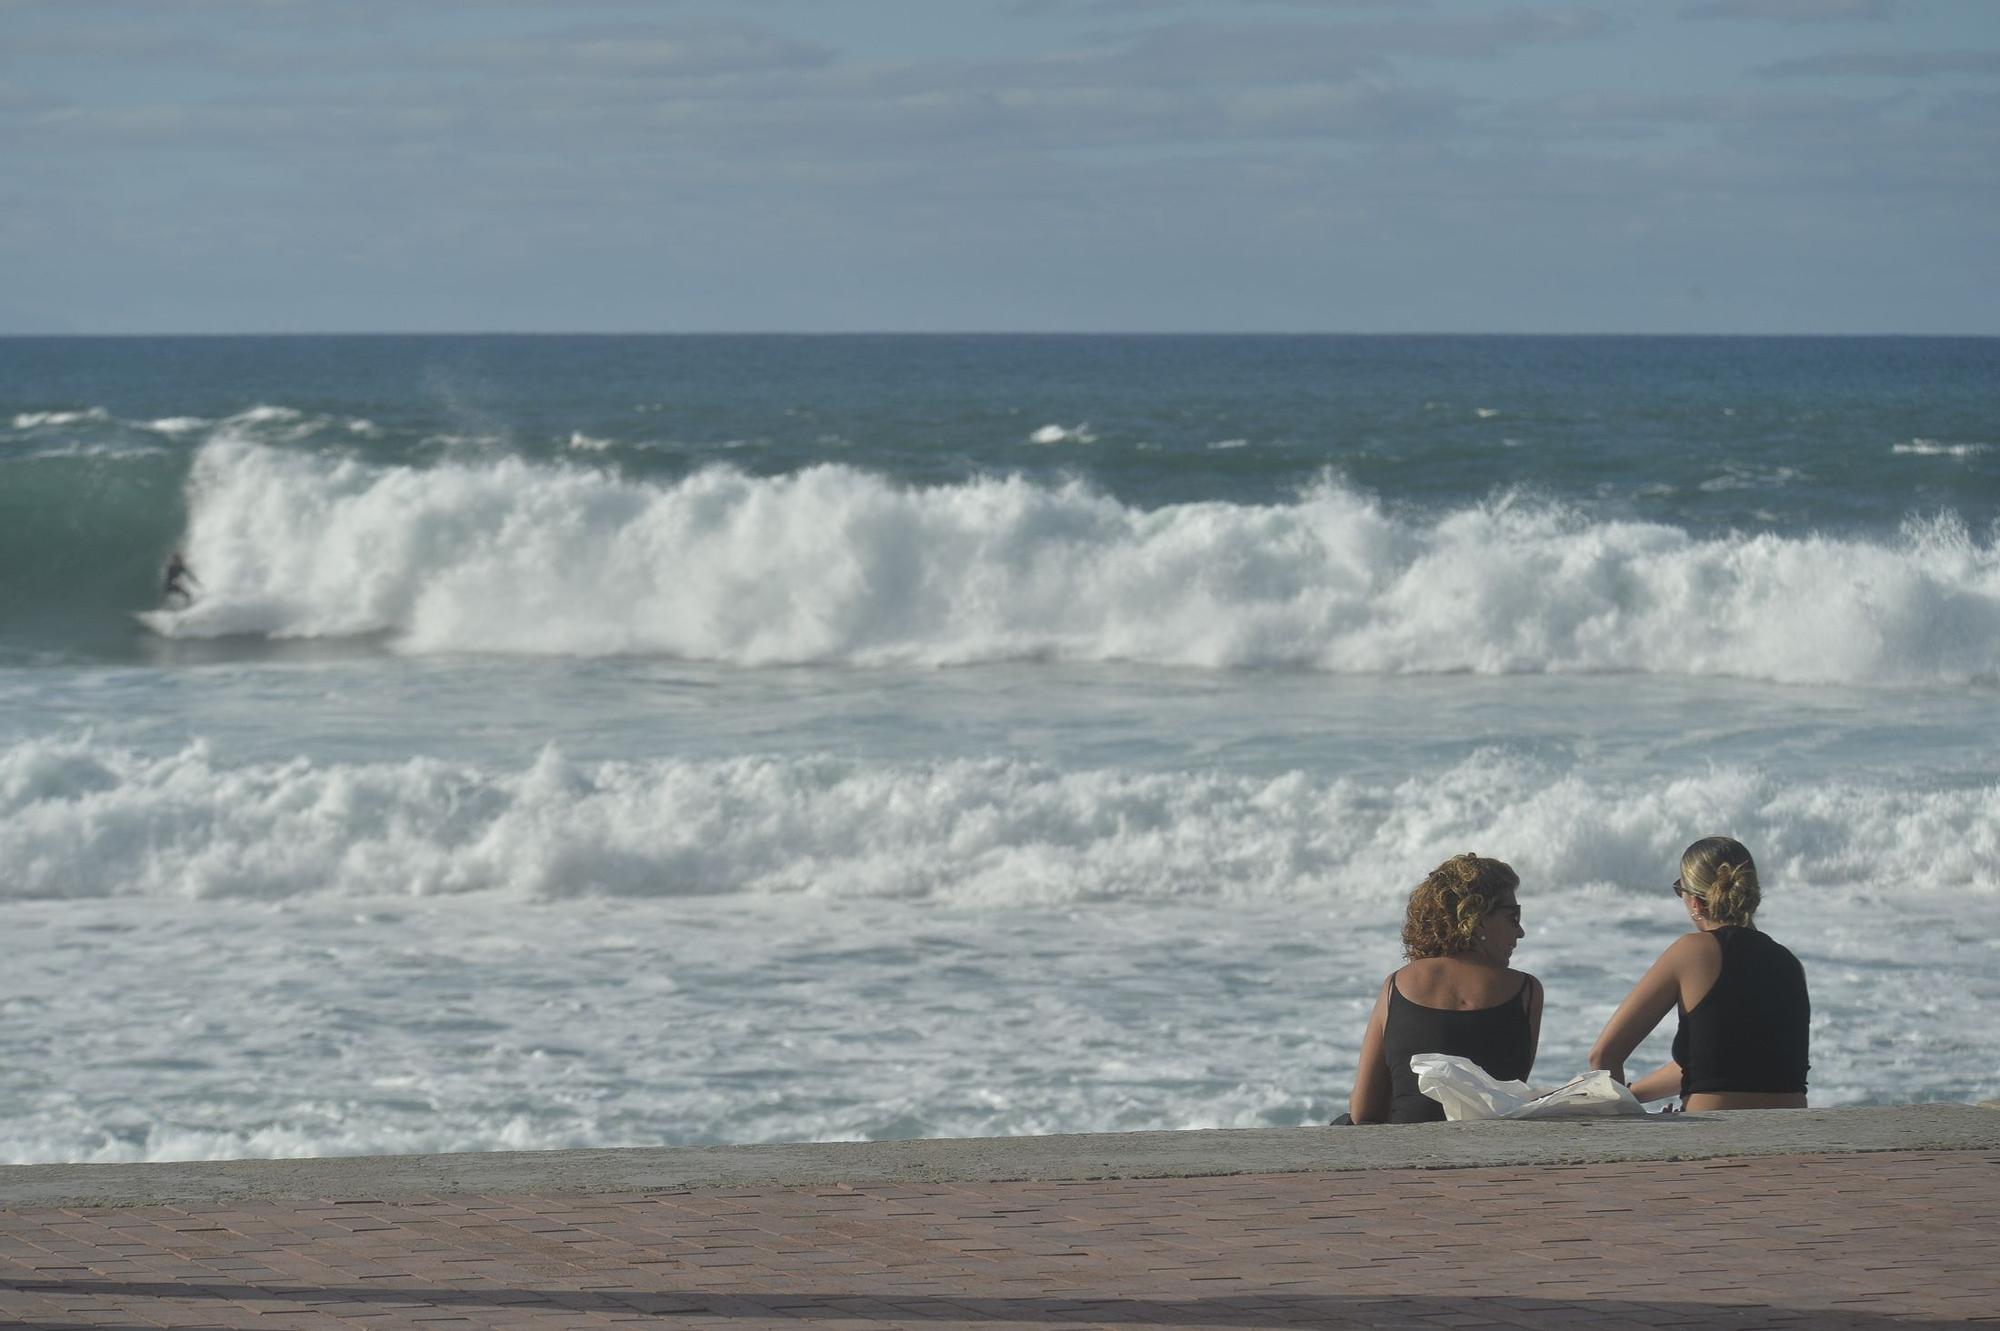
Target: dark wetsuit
{"type": "Point", "coordinates": [1749, 1032]}
{"type": "Point", "coordinates": [1496, 1038]}
{"type": "Point", "coordinates": [177, 575]}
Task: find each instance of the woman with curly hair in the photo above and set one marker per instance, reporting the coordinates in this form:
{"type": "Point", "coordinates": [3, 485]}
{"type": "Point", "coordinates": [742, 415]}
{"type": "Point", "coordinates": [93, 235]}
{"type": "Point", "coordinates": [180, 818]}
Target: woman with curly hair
{"type": "Point", "coordinates": [1742, 998]}
{"type": "Point", "coordinates": [1456, 995]}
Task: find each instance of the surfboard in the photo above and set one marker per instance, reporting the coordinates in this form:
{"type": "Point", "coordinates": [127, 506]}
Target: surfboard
{"type": "Point", "coordinates": [162, 621]}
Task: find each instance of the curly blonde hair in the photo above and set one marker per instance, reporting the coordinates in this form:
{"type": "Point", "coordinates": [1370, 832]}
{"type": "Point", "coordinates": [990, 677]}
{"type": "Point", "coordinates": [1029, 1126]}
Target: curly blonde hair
{"type": "Point", "coordinates": [1719, 872]}
{"type": "Point", "coordinates": [1446, 909]}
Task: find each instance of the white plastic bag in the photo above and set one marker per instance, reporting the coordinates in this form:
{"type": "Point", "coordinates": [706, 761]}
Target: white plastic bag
{"type": "Point", "coordinates": [1466, 1092]}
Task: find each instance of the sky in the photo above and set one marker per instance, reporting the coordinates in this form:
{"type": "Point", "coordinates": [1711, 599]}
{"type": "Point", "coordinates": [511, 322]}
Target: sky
{"type": "Point", "coordinates": [1391, 166]}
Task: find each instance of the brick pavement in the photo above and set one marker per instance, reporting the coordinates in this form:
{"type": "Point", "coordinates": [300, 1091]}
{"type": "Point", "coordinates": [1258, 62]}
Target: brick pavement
{"type": "Point", "coordinates": [1841, 1241]}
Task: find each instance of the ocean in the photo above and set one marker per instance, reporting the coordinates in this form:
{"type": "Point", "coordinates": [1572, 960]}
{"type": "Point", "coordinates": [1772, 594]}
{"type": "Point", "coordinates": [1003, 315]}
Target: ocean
{"type": "Point", "coordinates": [606, 741]}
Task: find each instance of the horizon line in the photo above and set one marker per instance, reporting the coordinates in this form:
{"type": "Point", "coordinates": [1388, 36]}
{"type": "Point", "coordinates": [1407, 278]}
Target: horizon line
{"type": "Point", "coordinates": [963, 333]}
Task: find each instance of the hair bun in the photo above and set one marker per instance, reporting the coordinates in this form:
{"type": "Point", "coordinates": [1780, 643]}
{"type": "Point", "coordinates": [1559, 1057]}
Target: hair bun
{"type": "Point", "coordinates": [1721, 874]}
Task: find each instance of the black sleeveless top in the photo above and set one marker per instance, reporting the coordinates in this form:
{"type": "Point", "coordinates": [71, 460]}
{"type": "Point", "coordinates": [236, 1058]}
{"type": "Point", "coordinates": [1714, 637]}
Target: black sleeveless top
{"type": "Point", "coordinates": [1496, 1038]}
{"type": "Point", "coordinates": [1749, 1032]}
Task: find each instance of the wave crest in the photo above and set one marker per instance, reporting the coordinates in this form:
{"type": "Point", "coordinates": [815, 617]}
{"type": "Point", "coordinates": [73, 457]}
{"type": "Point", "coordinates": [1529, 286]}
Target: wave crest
{"type": "Point", "coordinates": [831, 565]}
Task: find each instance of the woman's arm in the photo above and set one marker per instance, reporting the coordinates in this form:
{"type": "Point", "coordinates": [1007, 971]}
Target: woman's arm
{"type": "Point", "coordinates": [1534, 1023]}
{"type": "Point", "coordinates": [1369, 1102]}
{"type": "Point", "coordinates": [1658, 1084]}
{"type": "Point", "coordinates": [1658, 990]}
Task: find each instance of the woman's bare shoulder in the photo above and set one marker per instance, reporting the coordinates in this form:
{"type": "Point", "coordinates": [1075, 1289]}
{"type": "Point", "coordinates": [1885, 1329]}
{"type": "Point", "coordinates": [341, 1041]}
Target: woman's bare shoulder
{"type": "Point", "coordinates": [1693, 946]}
{"type": "Point", "coordinates": [1454, 982]}
{"type": "Point", "coordinates": [1692, 958]}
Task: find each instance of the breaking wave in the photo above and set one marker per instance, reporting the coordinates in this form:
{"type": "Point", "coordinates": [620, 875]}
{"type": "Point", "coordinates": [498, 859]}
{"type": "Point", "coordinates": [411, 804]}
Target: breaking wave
{"type": "Point", "coordinates": [833, 565]}
{"type": "Point", "coordinates": [79, 818]}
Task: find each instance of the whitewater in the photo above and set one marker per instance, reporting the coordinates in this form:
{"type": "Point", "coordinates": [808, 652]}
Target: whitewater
{"type": "Point", "coordinates": [601, 742]}
{"type": "Point", "coordinates": [833, 565]}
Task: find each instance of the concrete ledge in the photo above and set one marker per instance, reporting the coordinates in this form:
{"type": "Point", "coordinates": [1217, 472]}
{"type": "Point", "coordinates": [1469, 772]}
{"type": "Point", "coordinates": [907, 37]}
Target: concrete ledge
{"type": "Point", "coordinates": [1932, 1127]}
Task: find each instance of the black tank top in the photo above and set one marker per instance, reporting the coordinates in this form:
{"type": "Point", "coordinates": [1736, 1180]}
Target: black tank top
{"type": "Point", "coordinates": [1496, 1038]}
{"type": "Point", "coordinates": [1749, 1032]}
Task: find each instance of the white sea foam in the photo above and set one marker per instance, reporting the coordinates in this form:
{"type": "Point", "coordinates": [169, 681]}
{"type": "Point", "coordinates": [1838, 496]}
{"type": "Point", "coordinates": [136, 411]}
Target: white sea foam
{"type": "Point", "coordinates": [76, 448]}
{"type": "Point", "coordinates": [311, 1130]}
{"type": "Point", "coordinates": [265, 414]}
{"type": "Point", "coordinates": [1063, 434]}
{"type": "Point", "coordinates": [176, 424]}
{"type": "Point", "coordinates": [35, 420]}
{"type": "Point", "coordinates": [349, 957]}
{"type": "Point", "coordinates": [833, 565]}
{"type": "Point", "coordinates": [583, 443]}
{"type": "Point", "coordinates": [81, 818]}
{"type": "Point", "coordinates": [1222, 445]}
{"type": "Point", "coordinates": [1931, 448]}
{"type": "Point", "coordinates": [1737, 477]}
{"type": "Point", "coordinates": [331, 1027]}
{"type": "Point", "coordinates": [265, 421]}
{"type": "Point", "coordinates": [271, 423]}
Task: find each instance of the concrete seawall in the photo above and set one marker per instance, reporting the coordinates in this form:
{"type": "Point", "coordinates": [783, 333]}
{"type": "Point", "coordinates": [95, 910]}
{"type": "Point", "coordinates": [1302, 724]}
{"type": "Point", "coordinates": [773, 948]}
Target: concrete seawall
{"type": "Point", "coordinates": [1859, 1219]}
{"type": "Point", "coordinates": [1933, 1127]}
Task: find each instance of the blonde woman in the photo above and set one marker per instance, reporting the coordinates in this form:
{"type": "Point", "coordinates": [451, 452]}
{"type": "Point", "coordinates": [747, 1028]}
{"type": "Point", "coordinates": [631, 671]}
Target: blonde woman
{"type": "Point", "coordinates": [1742, 998]}
{"type": "Point", "coordinates": [1456, 995]}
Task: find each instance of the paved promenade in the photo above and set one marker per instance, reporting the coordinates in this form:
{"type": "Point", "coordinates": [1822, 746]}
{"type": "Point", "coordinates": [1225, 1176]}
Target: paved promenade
{"type": "Point", "coordinates": [1846, 1237]}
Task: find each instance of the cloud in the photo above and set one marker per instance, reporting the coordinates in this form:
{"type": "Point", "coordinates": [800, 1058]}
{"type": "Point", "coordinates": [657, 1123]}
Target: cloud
{"type": "Point", "coordinates": [1587, 115]}
{"type": "Point", "coordinates": [1037, 7]}
{"type": "Point", "coordinates": [13, 97]}
{"type": "Point", "coordinates": [1270, 52]}
{"type": "Point", "coordinates": [695, 47]}
{"type": "Point", "coordinates": [109, 43]}
{"type": "Point", "coordinates": [1796, 11]}
{"type": "Point", "coordinates": [706, 90]}
{"type": "Point", "coordinates": [1887, 64]}
{"type": "Point", "coordinates": [1221, 133]}
{"type": "Point", "coordinates": [309, 11]}
{"type": "Point", "coordinates": [1978, 111]}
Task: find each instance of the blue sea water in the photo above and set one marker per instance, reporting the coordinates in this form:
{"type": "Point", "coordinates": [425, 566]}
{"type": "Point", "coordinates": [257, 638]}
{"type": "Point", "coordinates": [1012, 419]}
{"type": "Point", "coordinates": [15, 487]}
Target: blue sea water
{"type": "Point", "coordinates": [620, 740]}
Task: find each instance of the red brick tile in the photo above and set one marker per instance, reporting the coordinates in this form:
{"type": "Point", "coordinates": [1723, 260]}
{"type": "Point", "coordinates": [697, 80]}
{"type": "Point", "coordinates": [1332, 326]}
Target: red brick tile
{"type": "Point", "coordinates": [1855, 1241]}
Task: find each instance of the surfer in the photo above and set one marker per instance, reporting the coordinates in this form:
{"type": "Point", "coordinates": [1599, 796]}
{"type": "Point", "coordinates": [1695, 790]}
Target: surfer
{"type": "Point", "coordinates": [178, 576]}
